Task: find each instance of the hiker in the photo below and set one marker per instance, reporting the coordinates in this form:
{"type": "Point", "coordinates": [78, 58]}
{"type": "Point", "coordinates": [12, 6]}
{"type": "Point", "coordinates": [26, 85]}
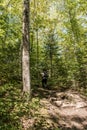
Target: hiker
{"type": "Point", "coordinates": [44, 75]}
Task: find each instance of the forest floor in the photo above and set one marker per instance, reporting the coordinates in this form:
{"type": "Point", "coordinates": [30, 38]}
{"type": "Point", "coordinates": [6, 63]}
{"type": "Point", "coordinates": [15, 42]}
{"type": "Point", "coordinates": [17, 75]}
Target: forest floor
{"type": "Point", "coordinates": [48, 109]}
{"type": "Point", "coordinates": [61, 110]}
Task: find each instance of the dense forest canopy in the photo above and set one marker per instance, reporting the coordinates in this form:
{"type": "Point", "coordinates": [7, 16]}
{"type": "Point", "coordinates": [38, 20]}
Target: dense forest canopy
{"type": "Point", "coordinates": [58, 41]}
{"type": "Point", "coordinates": [37, 35]}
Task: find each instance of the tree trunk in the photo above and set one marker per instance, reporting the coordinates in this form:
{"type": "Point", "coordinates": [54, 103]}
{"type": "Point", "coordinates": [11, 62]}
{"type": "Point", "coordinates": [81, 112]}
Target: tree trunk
{"type": "Point", "coordinates": [37, 56]}
{"type": "Point", "coordinates": [51, 60]}
{"type": "Point", "coordinates": [26, 47]}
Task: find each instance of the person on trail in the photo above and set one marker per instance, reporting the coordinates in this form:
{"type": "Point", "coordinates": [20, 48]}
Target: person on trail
{"type": "Point", "coordinates": [44, 75]}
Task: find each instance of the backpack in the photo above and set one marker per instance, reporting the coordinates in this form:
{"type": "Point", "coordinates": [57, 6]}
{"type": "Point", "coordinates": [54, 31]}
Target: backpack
{"type": "Point", "coordinates": [45, 76]}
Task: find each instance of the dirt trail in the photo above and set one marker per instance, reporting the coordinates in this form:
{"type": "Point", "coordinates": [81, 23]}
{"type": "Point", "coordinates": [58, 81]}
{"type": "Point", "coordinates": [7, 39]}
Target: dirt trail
{"type": "Point", "coordinates": [64, 110]}
{"type": "Point", "coordinates": [59, 111]}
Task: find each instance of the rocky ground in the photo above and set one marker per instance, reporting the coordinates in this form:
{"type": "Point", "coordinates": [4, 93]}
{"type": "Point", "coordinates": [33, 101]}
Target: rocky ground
{"type": "Point", "coordinates": [61, 110]}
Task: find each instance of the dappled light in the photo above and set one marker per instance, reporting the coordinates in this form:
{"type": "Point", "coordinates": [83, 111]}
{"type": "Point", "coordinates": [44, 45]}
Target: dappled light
{"type": "Point", "coordinates": [65, 110]}
{"type": "Point", "coordinates": [43, 64]}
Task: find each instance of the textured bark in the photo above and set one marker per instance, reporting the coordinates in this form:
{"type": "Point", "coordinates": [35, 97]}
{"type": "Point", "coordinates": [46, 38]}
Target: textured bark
{"type": "Point", "coordinates": [25, 50]}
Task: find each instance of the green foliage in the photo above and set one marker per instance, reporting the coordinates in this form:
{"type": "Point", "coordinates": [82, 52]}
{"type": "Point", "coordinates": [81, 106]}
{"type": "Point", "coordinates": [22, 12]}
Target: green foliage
{"type": "Point", "coordinates": [59, 27]}
{"type": "Point", "coordinates": [58, 36]}
{"type": "Point", "coordinates": [13, 106]}
{"type": "Point", "coordinates": [62, 41]}
{"type": "Point", "coordinates": [9, 67]}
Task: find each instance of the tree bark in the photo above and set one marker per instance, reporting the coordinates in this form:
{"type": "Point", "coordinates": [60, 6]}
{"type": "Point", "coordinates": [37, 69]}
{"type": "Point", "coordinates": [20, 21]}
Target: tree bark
{"type": "Point", "coordinates": [37, 56]}
{"type": "Point", "coordinates": [26, 48]}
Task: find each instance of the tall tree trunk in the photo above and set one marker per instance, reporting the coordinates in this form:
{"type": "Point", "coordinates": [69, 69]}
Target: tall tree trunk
{"type": "Point", "coordinates": [37, 55]}
{"type": "Point", "coordinates": [26, 47]}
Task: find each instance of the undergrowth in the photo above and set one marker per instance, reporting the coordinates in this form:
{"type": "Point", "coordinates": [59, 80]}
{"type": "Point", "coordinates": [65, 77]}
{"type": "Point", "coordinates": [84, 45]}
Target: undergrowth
{"type": "Point", "coordinates": [14, 105]}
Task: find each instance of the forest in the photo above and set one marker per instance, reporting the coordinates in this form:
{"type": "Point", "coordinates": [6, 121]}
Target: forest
{"type": "Point", "coordinates": [38, 35]}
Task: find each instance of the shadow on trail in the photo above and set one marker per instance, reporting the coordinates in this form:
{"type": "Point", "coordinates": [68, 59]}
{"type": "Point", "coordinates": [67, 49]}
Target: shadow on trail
{"type": "Point", "coordinates": [43, 93]}
{"type": "Point", "coordinates": [62, 110]}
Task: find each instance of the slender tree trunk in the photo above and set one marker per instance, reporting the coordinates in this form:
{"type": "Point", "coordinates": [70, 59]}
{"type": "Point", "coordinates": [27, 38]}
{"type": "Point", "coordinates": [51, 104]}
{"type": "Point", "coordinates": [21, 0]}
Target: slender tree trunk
{"type": "Point", "coordinates": [51, 67]}
{"type": "Point", "coordinates": [51, 59]}
{"type": "Point", "coordinates": [26, 47]}
{"type": "Point", "coordinates": [37, 56]}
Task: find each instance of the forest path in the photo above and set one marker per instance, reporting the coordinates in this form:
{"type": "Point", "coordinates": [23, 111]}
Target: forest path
{"type": "Point", "coordinates": [65, 110]}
